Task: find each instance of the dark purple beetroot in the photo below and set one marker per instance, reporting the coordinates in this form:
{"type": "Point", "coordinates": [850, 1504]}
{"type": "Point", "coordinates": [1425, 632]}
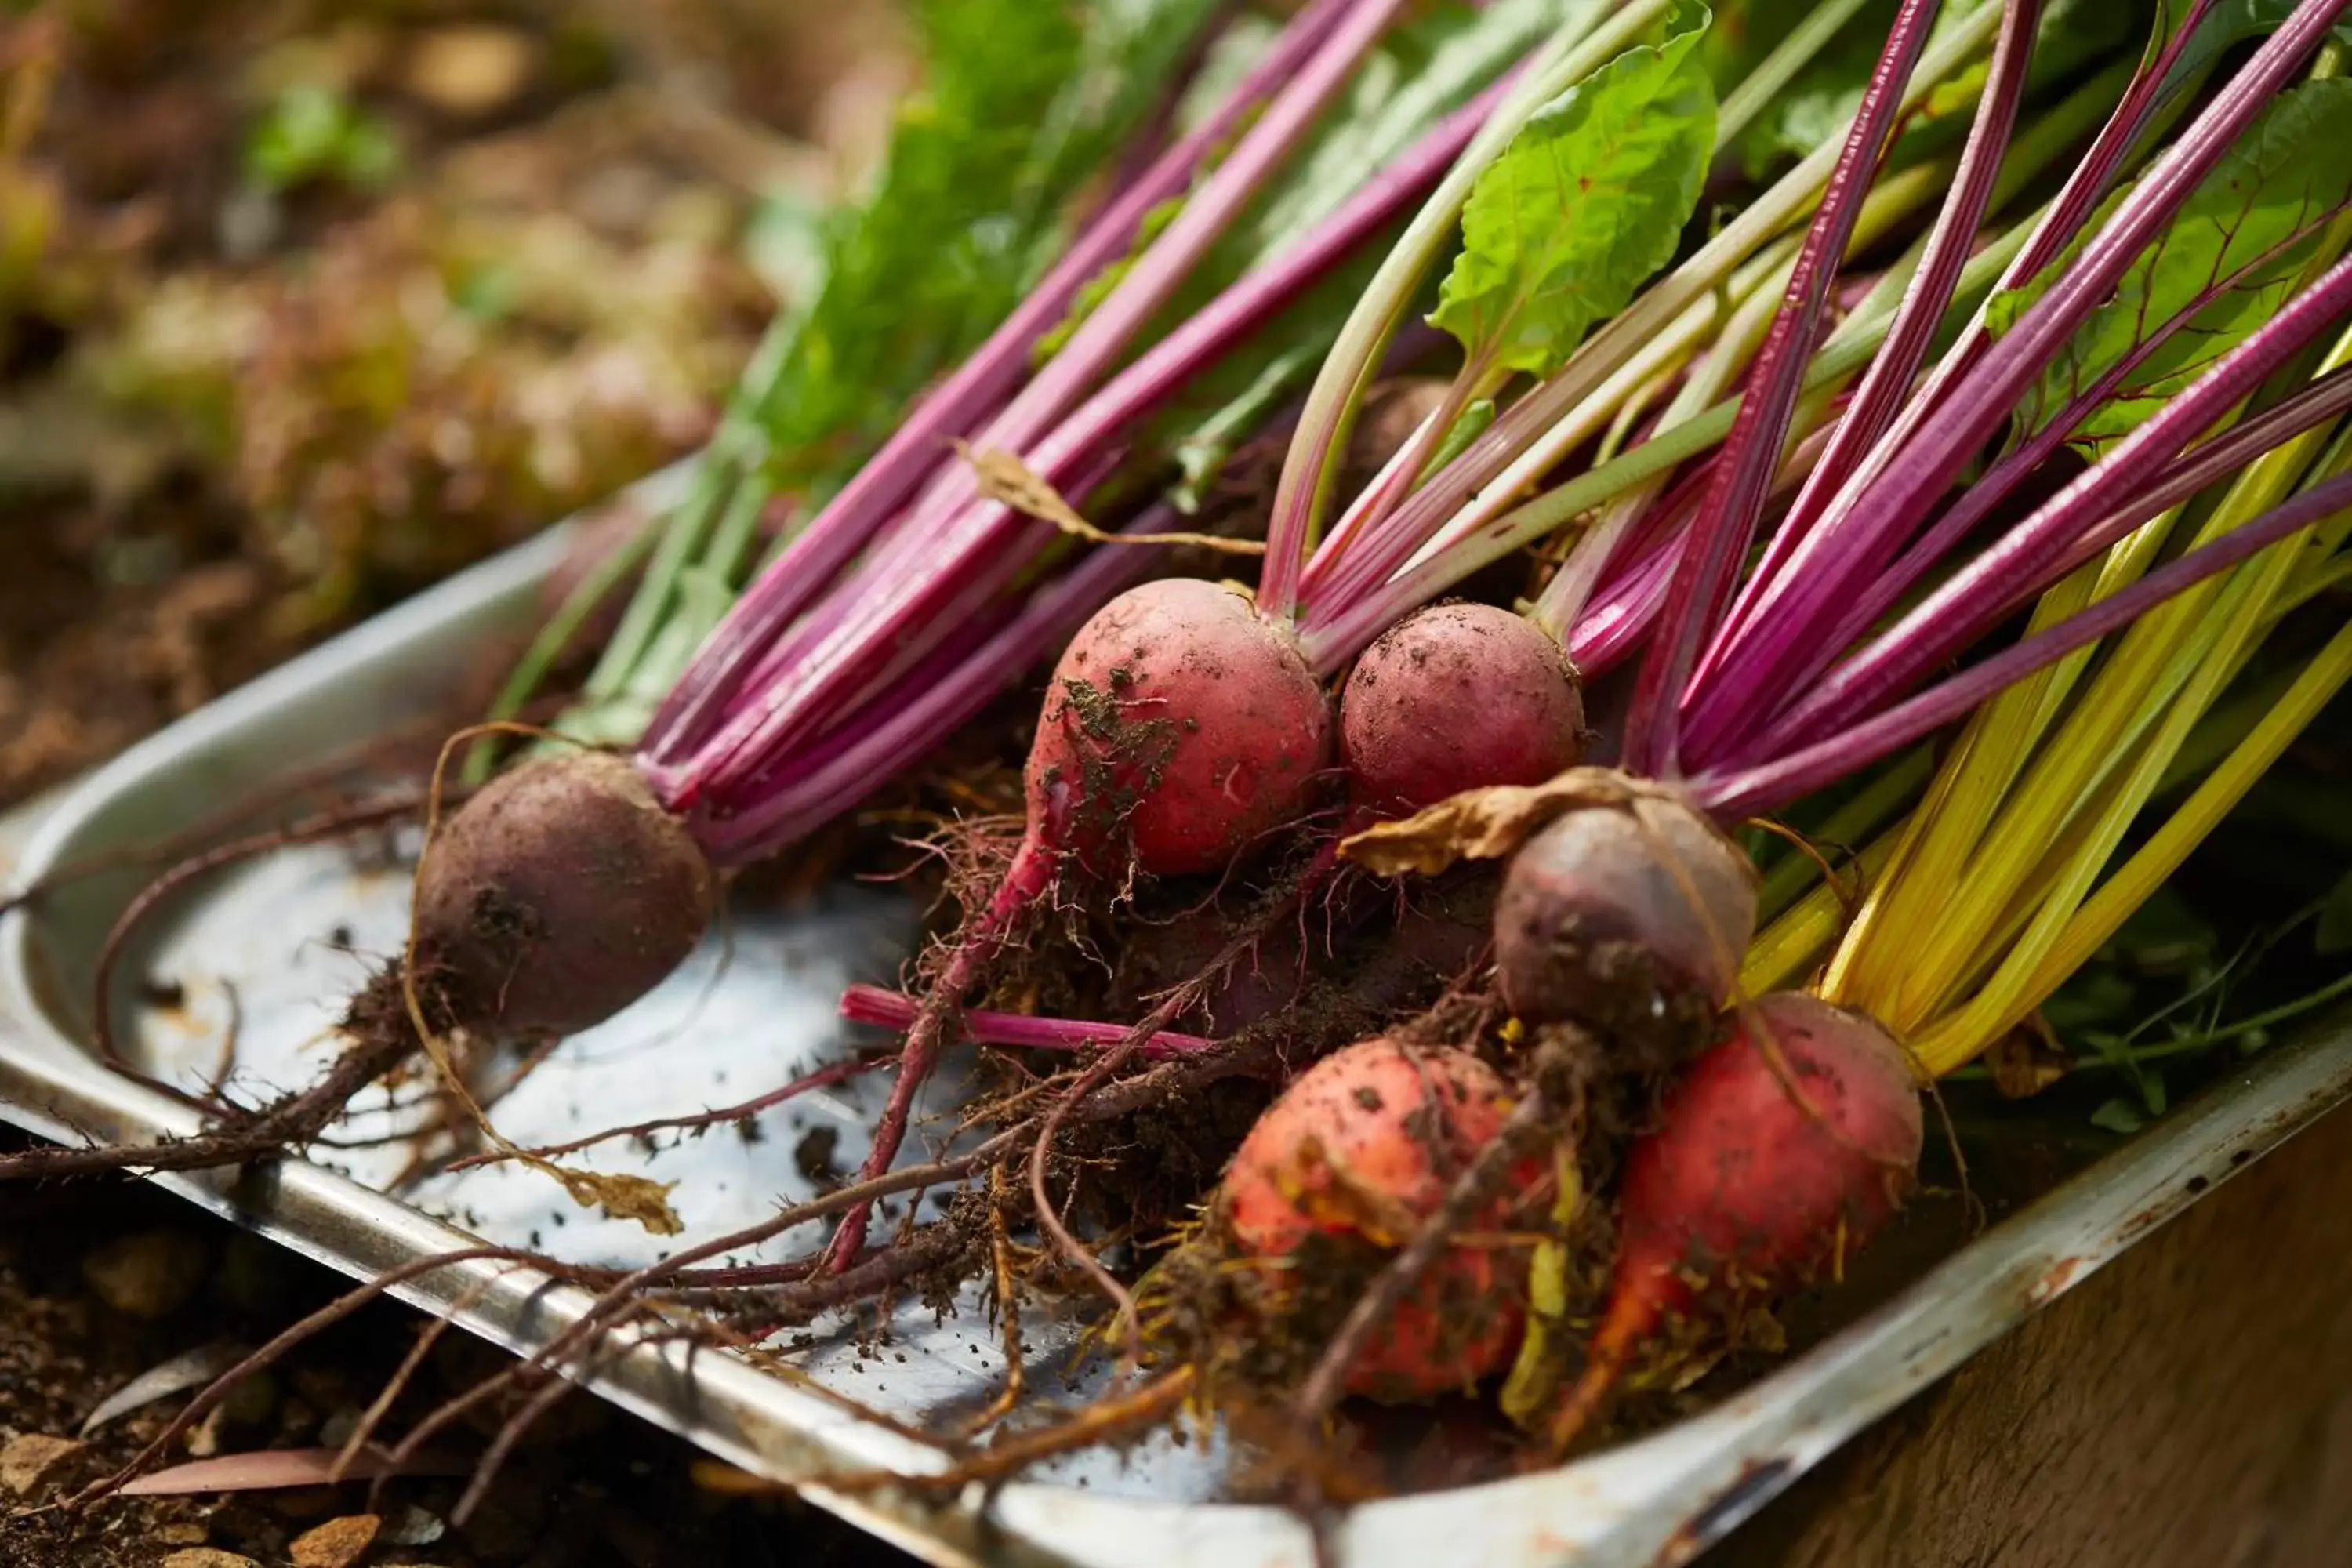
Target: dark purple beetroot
{"type": "Point", "coordinates": [1628, 919]}
{"type": "Point", "coordinates": [555, 897]}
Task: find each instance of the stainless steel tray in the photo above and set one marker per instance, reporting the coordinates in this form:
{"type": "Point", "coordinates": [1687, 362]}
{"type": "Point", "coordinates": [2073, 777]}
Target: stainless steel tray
{"type": "Point", "coordinates": [256, 941]}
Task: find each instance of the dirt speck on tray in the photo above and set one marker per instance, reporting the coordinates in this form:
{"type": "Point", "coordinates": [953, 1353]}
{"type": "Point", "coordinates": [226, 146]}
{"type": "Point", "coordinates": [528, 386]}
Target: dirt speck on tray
{"type": "Point", "coordinates": [814, 1157]}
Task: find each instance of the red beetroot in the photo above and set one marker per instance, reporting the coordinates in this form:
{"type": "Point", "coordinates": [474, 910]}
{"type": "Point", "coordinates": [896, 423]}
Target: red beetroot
{"type": "Point", "coordinates": [1453, 698]}
{"type": "Point", "coordinates": [1180, 728]}
{"type": "Point", "coordinates": [1364, 1146]}
{"type": "Point", "coordinates": [1782, 1150]}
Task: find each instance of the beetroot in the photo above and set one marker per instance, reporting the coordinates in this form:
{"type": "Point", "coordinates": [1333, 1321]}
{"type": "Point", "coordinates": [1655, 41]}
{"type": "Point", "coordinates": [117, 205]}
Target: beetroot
{"type": "Point", "coordinates": [1629, 918]}
{"type": "Point", "coordinates": [1782, 1150]}
{"type": "Point", "coordinates": [555, 897]}
{"type": "Point", "coordinates": [1453, 698]}
{"type": "Point", "coordinates": [1181, 727]}
{"type": "Point", "coordinates": [1360, 1147]}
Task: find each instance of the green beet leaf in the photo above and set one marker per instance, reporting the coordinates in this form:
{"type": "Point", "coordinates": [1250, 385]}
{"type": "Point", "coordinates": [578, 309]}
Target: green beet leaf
{"type": "Point", "coordinates": [1419, 73]}
{"type": "Point", "coordinates": [2259, 213]}
{"type": "Point", "coordinates": [1587, 202]}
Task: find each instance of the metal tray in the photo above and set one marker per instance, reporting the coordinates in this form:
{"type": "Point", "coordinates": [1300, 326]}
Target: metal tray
{"type": "Point", "coordinates": [255, 942]}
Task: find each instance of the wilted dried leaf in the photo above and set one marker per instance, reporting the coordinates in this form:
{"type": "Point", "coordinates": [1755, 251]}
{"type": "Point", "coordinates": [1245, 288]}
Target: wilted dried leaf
{"type": "Point", "coordinates": [1486, 824]}
{"type": "Point", "coordinates": [2026, 1061]}
{"type": "Point", "coordinates": [638, 1198]}
{"type": "Point", "coordinates": [1006, 479]}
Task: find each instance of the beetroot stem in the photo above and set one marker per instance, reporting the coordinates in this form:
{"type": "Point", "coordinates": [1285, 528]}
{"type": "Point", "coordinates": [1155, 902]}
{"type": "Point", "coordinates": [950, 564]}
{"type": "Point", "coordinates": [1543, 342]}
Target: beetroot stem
{"type": "Point", "coordinates": [1767, 788]}
{"type": "Point", "coordinates": [1742, 476]}
{"type": "Point", "coordinates": [978, 388]}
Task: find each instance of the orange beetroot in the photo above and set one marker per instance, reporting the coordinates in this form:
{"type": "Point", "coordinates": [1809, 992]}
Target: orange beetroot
{"type": "Point", "coordinates": [1362, 1148]}
{"type": "Point", "coordinates": [1782, 1150]}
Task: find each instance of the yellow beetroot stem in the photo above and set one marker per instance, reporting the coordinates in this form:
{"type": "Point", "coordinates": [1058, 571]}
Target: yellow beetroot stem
{"type": "Point", "coordinates": [1957, 1040]}
{"type": "Point", "coordinates": [2140, 875]}
{"type": "Point", "coordinates": [1992, 894]}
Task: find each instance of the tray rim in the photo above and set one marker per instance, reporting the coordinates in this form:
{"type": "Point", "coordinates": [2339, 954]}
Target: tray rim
{"type": "Point", "coordinates": [1662, 1499]}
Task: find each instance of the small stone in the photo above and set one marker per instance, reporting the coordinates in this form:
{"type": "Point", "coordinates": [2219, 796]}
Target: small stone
{"type": "Point", "coordinates": [207, 1557]}
{"type": "Point", "coordinates": [414, 1526]}
{"type": "Point", "coordinates": [471, 70]}
{"type": "Point", "coordinates": [338, 1544]}
{"type": "Point", "coordinates": [187, 1534]}
{"type": "Point", "coordinates": [150, 1275]}
{"type": "Point", "coordinates": [31, 1460]}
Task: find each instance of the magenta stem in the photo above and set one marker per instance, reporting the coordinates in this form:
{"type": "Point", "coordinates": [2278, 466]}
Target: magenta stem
{"type": "Point", "coordinates": [1880, 397]}
{"type": "Point", "coordinates": [2206, 465]}
{"type": "Point", "coordinates": [1742, 476]}
{"type": "Point", "coordinates": [1916, 476]}
{"type": "Point", "coordinates": [1818, 562]}
{"type": "Point", "coordinates": [1938, 627]}
{"type": "Point", "coordinates": [898, 728]}
{"type": "Point", "coordinates": [900, 596]}
{"type": "Point", "coordinates": [1766, 673]}
{"type": "Point", "coordinates": [978, 387]}
{"type": "Point", "coordinates": [873, 1005]}
{"type": "Point", "coordinates": [1747, 792]}
{"type": "Point", "coordinates": [1630, 600]}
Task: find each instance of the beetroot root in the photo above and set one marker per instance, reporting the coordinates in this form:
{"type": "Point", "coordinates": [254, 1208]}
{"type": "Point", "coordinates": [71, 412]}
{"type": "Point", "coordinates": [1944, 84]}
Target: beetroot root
{"type": "Point", "coordinates": [560, 893]}
{"type": "Point", "coordinates": [1363, 1147]}
{"type": "Point", "coordinates": [1453, 698]}
{"type": "Point", "coordinates": [1628, 919]}
{"type": "Point", "coordinates": [1784, 1148]}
